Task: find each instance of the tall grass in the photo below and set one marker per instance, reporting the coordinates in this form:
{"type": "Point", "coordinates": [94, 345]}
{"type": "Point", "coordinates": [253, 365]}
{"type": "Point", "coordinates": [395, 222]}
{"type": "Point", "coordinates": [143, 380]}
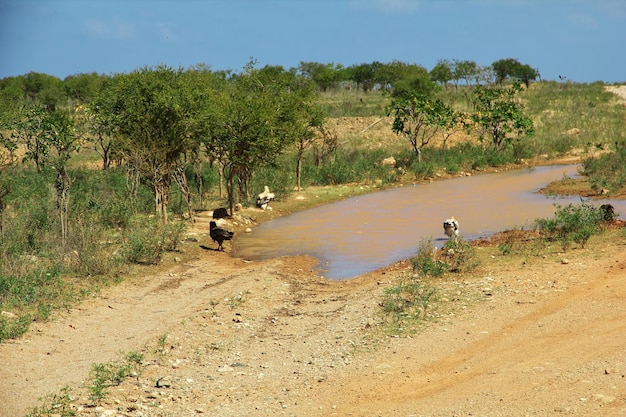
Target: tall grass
{"type": "Point", "coordinates": [38, 273]}
{"type": "Point", "coordinates": [569, 115]}
{"type": "Point", "coordinates": [353, 102]}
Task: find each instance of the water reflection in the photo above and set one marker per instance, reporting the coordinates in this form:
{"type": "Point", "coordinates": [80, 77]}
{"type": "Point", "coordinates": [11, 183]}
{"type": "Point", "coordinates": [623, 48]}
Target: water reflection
{"type": "Point", "coordinates": [368, 232]}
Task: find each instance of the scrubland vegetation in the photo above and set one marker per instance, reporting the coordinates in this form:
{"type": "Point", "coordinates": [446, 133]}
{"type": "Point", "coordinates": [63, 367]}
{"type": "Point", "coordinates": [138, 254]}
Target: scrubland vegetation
{"type": "Point", "coordinates": [103, 175]}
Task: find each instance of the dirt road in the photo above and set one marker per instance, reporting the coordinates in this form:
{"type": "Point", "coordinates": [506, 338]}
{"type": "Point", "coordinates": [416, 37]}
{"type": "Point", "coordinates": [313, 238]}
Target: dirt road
{"type": "Point", "coordinates": [233, 338]}
{"type": "Point", "coordinates": [539, 336]}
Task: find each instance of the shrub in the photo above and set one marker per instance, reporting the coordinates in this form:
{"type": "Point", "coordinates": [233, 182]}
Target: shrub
{"type": "Point", "coordinates": [33, 295]}
{"type": "Point", "coordinates": [55, 405]}
{"type": "Point", "coordinates": [460, 255]}
{"type": "Point", "coordinates": [408, 300]}
{"type": "Point", "coordinates": [575, 223]}
{"type": "Point", "coordinates": [104, 375]}
{"type": "Point", "coordinates": [148, 239]}
{"type": "Point", "coordinates": [426, 260]}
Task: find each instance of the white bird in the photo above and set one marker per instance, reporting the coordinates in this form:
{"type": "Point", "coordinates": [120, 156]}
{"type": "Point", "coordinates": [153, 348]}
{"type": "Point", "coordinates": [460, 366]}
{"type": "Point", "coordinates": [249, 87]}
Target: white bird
{"type": "Point", "coordinates": [451, 227]}
{"type": "Point", "coordinates": [264, 198]}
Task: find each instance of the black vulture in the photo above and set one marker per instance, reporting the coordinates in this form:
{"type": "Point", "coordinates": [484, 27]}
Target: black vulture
{"type": "Point", "coordinates": [608, 212]}
{"type": "Point", "coordinates": [219, 235]}
{"type": "Point", "coordinates": [220, 213]}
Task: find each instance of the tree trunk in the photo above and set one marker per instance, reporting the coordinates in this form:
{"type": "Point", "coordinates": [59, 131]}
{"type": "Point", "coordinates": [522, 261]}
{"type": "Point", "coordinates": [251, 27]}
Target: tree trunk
{"type": "Point", "coordinates": [161, 187]}
{"type": "Point", "coordinates": [181, 180]}
{"type": "Point", "coordinates": [298, 171]}
{"type": "Point", "coordinates": [63, 183]}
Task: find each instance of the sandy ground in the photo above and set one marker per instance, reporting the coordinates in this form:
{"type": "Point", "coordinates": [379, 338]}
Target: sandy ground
{"type": "Point", "coordinates": [224, 337]}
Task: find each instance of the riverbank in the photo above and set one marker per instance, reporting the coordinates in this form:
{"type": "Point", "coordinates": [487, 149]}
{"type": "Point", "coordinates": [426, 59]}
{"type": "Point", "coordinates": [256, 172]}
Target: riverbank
{"type": "Point", "coordinates": [522, 335]}
{"type": "Point", "coordinates": [221, 336]}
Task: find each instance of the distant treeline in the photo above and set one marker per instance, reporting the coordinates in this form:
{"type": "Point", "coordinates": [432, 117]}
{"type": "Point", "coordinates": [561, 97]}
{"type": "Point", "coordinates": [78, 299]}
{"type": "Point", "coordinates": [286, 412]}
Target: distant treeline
{"type": "Point", "coordinates": [50, 90]}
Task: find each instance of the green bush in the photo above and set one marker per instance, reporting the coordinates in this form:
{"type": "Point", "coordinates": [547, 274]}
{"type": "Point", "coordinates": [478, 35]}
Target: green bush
{"type": "Point", "coordinates": [607, 170]}
{"type": "Point", "coordinates": [571, 223]}
{"type": "Point", "coordinates": [148, 239]}
{"type": "Point", "coordinates": [408, 300]}
{"type": "Point", "coordinates": [58, 405]}
{"type": "Point", "coordinates": [30, 296]}
{"type": "Point", "coordinates": [426, 261]}
{"type": "Point", "coordinates": [457, 255]}
{"type": "Point", "coordinates": [460, 255]}
{"type": "Point", "coordinates": [104, 375]}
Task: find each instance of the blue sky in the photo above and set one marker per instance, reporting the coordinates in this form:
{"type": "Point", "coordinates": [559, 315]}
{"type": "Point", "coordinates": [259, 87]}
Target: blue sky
{"type": "Point", "coordinates": [583, 40]}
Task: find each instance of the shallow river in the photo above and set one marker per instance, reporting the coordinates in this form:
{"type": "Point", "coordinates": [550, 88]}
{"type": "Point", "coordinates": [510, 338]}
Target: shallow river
{"type": "Point", "coordinates": [371, 231]}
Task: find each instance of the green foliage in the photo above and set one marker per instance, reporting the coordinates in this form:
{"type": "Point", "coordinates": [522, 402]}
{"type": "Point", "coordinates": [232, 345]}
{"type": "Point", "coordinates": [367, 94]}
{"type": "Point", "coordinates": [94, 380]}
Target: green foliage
{"type": "Point", "coordinates": [148, 239]}
{"type": "Point", "coordinates": [442, 72]}
{"type": "Point", "coordinates": [457, 255]}
{"type": "Point", "coordinates": [55, 405]}
{"type": "Point", "coordinates": [419, 118]}
{"type": "Point", "coordinates": [105, 375]}
{"type": "Point", "coordinates": [606, 172]}
{"type": "Point", "coordinates": [255, 118]}
{"type": "Point", "coordinates": [460, 255]}
{"type": "Point", "coordinates": [499, 115]}
{"type": "Point", "coordinates": [30, 297]}
{"type": "Point", "coordinates": [512, 68]}
{"type": "Point", "coordinates": [426, 261]}
{"type": "Point", "coordinates": [409, 300]}
{"type": "Point", "coordinates": [571, 223]}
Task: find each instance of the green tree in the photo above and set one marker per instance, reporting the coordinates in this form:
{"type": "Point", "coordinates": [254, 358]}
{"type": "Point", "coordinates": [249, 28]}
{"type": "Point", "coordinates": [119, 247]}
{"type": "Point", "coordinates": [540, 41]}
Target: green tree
{"type": "Point", "coordinates": [50, 138]}
{"type": "Point", "coordinates": [326, 76]}
{"type": "Point", "coordinates": [83, 87]}
{"type": "Point", "coordinates": [62, 141]}
{"type": "Point", "coordinates": [442, 72]}
{"type": "Point", "coordinates": [99, 120]}
{"type": "Point", "coordinates": [44, 89]}
{"type": "Point", "coordinates": [364, 75]}
{"type": "Point", "coordinates": [466, 71]}
{"type": "Point", "coordinates": [499, 115]}
{"type": "Point", "coordinates": [27, 129]}
{"type": "Point", "coordinates": [420, 118]}
{"type": "Point", "coordinates": [525, 74]}
{"type": "Point", "coordinates": [512, 68]}
{"type": "Point", "coordinates": [150, 109]}
{"type": "Point", "coordinates": [255, 117]}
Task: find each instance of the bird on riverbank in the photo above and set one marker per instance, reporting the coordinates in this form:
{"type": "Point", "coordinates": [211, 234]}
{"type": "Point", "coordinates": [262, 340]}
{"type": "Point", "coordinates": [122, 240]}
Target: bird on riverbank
{"type": "Point", "coordinates": [451, 227]}
{"type": "Point", "coordinates": [219, 235]}
{"type": "Point", "coordinates": [264, 198]}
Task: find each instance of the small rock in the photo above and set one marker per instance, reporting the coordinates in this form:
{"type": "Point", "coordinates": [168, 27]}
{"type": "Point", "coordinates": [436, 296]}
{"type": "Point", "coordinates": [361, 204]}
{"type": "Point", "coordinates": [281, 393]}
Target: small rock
{"type": "Point", "coordinates": [564, 261]}
{"type": "Point", "coordinates": [7, 314]}
{"type": "Point", "coordinates": [163, 383]}
{"type": "Point", "coordinates": [604, 398]}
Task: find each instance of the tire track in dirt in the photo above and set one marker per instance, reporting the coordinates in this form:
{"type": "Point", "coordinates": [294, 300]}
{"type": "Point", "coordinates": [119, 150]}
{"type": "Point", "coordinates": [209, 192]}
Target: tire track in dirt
{"type": "Point", "coordinates": [525, 356]}
{"type": "Point", "coordinates": [121, 319]}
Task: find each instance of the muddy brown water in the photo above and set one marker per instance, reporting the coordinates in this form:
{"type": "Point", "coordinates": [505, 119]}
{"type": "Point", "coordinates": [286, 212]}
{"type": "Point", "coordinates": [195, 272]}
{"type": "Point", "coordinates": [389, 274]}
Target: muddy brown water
{"type": "Point", "coordinates": [364, 233]}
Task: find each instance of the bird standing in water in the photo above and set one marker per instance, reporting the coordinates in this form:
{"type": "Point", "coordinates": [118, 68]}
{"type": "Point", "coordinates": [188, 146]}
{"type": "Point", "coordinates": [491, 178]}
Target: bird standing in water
{"type": "Point", "coordinates": [451, 227]}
